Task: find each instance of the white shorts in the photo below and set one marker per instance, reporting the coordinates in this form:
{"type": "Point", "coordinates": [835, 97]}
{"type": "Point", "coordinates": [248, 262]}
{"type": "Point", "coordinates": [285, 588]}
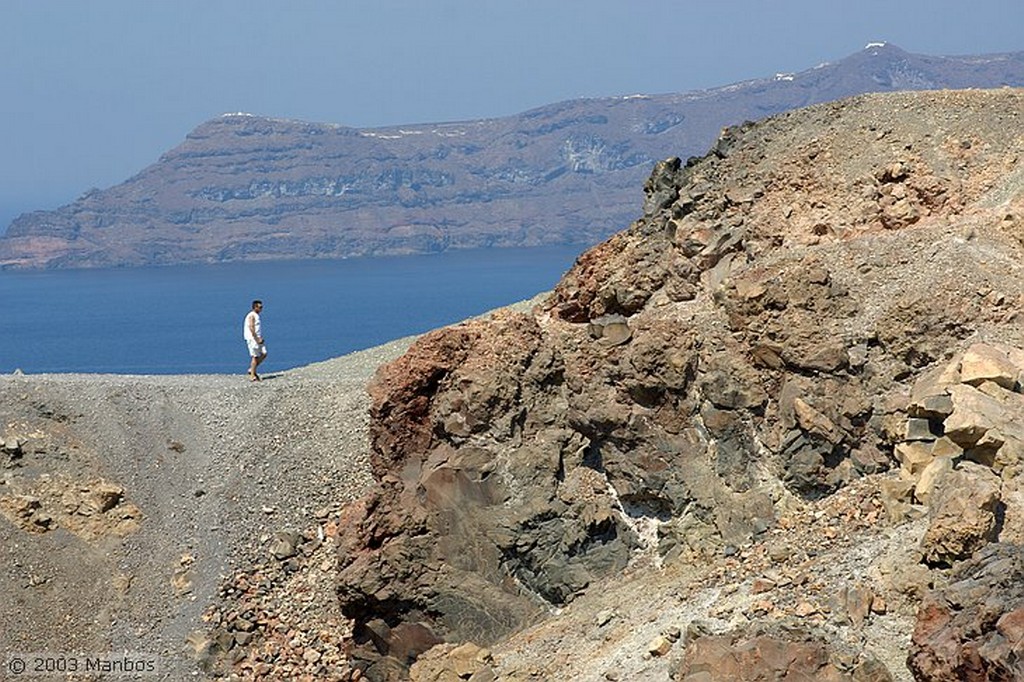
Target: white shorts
{"type": "Point", "coordinates": [256, 349]}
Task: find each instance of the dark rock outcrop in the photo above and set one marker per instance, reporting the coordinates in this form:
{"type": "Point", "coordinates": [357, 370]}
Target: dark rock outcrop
{"type": "Point", "coordinates": [470, 538]}
{"type": "Point", "coordinates": [244, 187]}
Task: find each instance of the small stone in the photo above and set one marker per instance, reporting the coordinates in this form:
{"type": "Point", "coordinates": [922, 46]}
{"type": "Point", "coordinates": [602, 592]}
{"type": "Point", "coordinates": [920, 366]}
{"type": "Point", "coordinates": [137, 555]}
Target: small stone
{"type": "Point", "coordinates": [857, 355]}
{"type": "Point", "coordinates": [612, 330]}
{"type": "Point", "coordinates": [858, 604]}
{"type": "Point", "coordinates": [243, 625]}
{"type": "Point", "coordinates": [285, 545]}
{"type": "Point", "coordinates": [779, 553]}
{"type": "Point", "coordinates": [659, 646]}
{"type": "Point", "coordinates": [225, 640]}
{"type": "Point", "coordinates": [805, 609]}
{"type": "Point", "coordinates": [695, 630]}
{"type": "Point", "coordinates": [105, 496]}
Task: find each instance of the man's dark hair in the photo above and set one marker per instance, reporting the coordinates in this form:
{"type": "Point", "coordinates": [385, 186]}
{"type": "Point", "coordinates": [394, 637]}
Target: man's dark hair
{"type": "Point", "coordinates": [256, 303]}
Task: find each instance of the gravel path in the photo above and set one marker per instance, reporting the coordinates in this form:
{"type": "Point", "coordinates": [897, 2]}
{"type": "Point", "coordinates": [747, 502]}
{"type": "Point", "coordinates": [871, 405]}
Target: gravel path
{"type": "Point", "coordinates": [215, 464]}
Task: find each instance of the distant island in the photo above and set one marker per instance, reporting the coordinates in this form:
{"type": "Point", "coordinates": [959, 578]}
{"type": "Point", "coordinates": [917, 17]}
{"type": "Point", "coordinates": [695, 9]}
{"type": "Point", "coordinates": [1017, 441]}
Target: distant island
{"type": "Point", "coordinates": [245, 188]}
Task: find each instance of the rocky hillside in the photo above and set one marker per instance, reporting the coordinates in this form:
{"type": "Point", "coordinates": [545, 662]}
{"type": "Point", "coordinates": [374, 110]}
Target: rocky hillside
{"type": "Point", "coordinates": [772, 430]}
{"type": "Point", "coordinates": [244, 187]}
{"type": "Point", "coordinates": [785, 404]}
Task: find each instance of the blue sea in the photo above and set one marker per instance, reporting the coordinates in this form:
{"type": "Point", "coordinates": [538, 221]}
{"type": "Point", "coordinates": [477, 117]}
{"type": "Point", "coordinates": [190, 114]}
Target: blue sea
{"type": "Point", "coordinates": [188, 319]}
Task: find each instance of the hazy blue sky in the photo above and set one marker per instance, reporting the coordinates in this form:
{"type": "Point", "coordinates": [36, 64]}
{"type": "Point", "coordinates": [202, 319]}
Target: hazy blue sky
{"type": "Point", "coordinates": [95, 90]}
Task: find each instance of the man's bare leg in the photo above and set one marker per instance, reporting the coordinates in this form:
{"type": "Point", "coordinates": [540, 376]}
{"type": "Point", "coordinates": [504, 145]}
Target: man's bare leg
{"type": "Point", "coordinates": [256, 362]}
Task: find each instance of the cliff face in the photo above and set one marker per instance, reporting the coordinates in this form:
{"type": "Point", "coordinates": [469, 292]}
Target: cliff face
{"type": "Point", "coordinates": [827, 301]}
{"type": "Point", "coordinates": [246, 188]}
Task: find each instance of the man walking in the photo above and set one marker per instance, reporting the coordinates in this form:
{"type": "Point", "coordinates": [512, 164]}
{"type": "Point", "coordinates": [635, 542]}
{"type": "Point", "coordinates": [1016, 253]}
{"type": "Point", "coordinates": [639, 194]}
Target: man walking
{"type": "Point", "coordinates": [253, 334]}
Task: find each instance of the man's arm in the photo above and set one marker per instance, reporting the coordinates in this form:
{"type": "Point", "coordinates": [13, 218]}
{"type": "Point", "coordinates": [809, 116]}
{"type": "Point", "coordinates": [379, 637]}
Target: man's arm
{"type": "Point", "coordinates": [252, 328]}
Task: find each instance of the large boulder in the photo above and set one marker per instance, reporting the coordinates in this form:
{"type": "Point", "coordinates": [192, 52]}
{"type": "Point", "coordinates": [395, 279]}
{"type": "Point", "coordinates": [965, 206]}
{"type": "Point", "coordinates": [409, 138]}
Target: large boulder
{"type": "Point", "coordinates": [965, 514]}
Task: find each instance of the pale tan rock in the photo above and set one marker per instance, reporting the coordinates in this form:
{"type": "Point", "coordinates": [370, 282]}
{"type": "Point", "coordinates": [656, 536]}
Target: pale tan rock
{"type": "Point", "coordinates": [987, 422]}
{"type": "Point", "coordinates": [659, 646]}
{"type": "Point", "coordinates": [1013, 354]}
{"type": "Point", "coordinates": [913, 458]}
{"type": "Point", "coordinates": [1009, 459]}
{"type": "Point", "coordinates": [973, 414]}
{"type": "Point", "coordinates": [857, 601]}
{"type": "Point", "coordinates": [1012, 496]}
{"type": "Point", "coordinates": [896, 497]}
{"type": "Point", "coordinates": [467, 658]}
{"type": "Point", "coordinates": [930, 476]}
{"type": "Point", "coordinates": [933, 383]}
{"type": "Point", "coordinates": [963, 514]}
{"type": "Point", "coordinates": [982, 362]}
{"type": "Point", "coordinates": [944, 447]}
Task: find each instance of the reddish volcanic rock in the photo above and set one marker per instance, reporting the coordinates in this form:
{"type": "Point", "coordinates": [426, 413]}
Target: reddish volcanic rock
{"type": "Point", "coordinates": [737, 657]}
{"type": "Point", "coordinates": [971, 629]}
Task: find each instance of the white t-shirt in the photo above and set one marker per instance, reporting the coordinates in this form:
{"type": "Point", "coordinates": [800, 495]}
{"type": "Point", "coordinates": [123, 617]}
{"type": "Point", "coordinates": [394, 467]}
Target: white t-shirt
{"type": "Point", "coordinates": [247, 332]}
